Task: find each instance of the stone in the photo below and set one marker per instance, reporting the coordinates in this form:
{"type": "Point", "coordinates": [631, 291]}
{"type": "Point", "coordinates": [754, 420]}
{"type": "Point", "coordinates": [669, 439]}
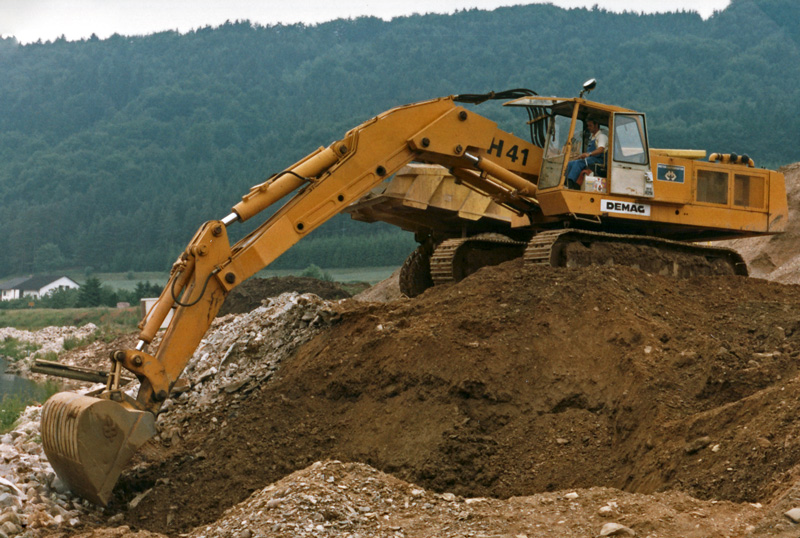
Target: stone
{"type": "Point", "coordinates": [9, 486]}
{"type": "Point", "coordinates": [38, 519]}
{"type": "Point", "coordinates": [136, 500]}
{"type": "Point", "coordinates": [208, 374]}
{"type": "Point", "coordinates": [793, 514]}
{"type": "Point", "coordinates": [697, 445]}
{"type": "Point", "coordinates": [59, 486]}
{"type": "Point", "coordinates": [10, 529]}
{"type": "Point", "coordinates": [9, 515]}
{"type": "Point", "coordinates": [615, 529]}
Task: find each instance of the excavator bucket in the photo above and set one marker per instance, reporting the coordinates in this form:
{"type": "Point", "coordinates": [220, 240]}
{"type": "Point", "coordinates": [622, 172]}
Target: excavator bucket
{"type": "Point", "coordinates": [88, 441]}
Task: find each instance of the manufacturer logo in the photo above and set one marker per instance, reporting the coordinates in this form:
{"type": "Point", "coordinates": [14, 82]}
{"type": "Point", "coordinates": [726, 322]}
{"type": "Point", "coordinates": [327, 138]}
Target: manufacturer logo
{"type": "Point", "coordinates": [670, 173]}
{"type": "Point", "coordinates": [628, 208]}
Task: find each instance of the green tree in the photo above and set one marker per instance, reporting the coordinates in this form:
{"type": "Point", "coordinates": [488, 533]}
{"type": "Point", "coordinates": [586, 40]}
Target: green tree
{"type": "Point", "coordinates": [91, 293]}
{"type": "Point", "coordinates": [48, 257]}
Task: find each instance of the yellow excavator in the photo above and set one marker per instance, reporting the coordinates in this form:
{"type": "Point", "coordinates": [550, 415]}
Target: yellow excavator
{"type": "Point", "coordinates": [632, 204]}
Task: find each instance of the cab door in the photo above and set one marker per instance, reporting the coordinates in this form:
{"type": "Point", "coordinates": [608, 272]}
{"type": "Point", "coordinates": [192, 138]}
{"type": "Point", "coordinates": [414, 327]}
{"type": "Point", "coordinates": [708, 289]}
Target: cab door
{"type": "Point", "coordinates": [630, 172]}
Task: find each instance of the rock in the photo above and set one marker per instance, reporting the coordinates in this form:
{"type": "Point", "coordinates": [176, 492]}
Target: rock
{"type": "Point", "coordinates": [136, 500]}
{"type": "Point", "coordinates": [59, 486]}
{"type": "Point", "coordinates": [39, 519]}
{"type": "Point", "coordinates": [233, 387]}
{"type": "Point", "coordinates": [10, 528]}
{"type": "Point", "coordinates": [181, 386]}
{"type": "Point", "coordinates": [615, 529]}
{"type": "Point", "coordinates": [9, 515]}
{"type": "Point", "coordinates": [697, 445]}
{"type": "Point", "coordinates": [10, 487]}
{"type": "Point", "coordinates": [571, 495]}
{"type": "Point", "coordinates": [793, 514]}
{"type": "Point", "coordinates": [208, 374]}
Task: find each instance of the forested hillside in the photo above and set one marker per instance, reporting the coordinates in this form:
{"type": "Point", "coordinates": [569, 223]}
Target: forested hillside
{"type": "Point", "coordinates": [112, 152]}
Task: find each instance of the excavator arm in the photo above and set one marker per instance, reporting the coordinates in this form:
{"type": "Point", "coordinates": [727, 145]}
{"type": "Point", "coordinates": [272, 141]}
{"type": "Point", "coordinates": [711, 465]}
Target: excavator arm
{"type": "Point", "coordinates": [89, 439]}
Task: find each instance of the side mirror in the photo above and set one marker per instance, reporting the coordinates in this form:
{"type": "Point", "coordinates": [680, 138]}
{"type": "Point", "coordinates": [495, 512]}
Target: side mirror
{"type": "Point", "coordinates": [588, 86]}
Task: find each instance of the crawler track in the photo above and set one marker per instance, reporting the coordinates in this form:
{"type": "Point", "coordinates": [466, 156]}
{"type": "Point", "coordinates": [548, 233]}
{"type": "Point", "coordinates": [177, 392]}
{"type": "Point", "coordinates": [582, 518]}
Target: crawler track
{"type": "Point", "coordinates": [580, 248]}
{"type": "Point", "coordinates": [455, 259]}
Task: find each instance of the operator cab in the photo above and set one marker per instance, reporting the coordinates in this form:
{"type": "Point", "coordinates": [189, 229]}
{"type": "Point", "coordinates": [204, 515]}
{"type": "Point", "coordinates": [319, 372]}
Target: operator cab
{"type": "Point", "coordinates": [625, 166]}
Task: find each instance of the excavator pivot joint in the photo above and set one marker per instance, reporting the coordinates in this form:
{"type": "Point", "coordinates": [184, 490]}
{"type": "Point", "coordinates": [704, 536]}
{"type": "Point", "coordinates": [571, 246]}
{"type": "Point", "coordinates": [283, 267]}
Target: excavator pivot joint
{"type": "Point", "coordinates": [148, 367]}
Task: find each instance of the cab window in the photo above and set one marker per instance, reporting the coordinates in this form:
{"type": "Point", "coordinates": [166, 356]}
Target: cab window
{"type": "Point", "coordinates": [629, 142]}
{"type": "Point", "coordinates": [555, 150]}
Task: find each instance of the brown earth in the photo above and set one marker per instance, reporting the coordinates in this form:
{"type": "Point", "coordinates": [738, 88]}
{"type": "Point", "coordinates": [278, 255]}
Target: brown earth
{"type": "Point", "coordinates": [514, 382]}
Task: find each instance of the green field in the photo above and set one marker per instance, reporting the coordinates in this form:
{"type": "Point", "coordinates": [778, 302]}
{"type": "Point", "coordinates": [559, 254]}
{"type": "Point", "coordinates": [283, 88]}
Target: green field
{"type": "Point", "coordinates": [372, 275]}
{"type": "Point", "coordinates": [110, 320]}
{"type": "Point", "coordinates": [127, 281]}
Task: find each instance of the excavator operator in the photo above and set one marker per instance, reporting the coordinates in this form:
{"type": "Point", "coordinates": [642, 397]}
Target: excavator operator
{"type": "Point", "coordinates": [594, 154]}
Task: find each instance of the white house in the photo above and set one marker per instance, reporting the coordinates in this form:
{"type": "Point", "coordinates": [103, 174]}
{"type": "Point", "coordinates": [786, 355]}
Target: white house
{"type": "Point", "coordinates": [34, 286]}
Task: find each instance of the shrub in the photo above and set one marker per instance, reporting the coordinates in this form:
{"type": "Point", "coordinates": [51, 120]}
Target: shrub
{"type": "Point", "coordinates": [14, 350]}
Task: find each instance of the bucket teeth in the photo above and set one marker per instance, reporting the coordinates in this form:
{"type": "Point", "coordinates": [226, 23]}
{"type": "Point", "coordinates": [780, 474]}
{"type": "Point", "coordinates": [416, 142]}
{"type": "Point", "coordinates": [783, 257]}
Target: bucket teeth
{"type": "Point", "coordinates": [89, 441]}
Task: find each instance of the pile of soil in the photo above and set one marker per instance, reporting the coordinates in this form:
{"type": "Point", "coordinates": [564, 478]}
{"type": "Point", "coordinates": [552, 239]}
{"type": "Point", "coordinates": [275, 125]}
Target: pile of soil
{"type": "Point", "coordinates": [516, 381]}
{"type": "Point", "coordinates": [777, 257]}
{"type": "Point", "coordinates": [251, 293]}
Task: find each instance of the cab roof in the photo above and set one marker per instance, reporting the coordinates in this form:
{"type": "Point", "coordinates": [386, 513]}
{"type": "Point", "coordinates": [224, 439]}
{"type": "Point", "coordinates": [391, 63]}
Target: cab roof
{"type": "Point", "coordinates": [564, 105]}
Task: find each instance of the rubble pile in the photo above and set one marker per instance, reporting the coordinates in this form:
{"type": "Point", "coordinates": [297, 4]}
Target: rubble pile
{"type": "Point", "coordinates": [49, 340]}
{"type": "Point", "coordinates": [251, 293]}
{"type": "Point", "coordinates": [333, 498]}
{"type": "Point", "coordinates": [239, 353]}
{"type": "Point", "coordinates": [32, 497]}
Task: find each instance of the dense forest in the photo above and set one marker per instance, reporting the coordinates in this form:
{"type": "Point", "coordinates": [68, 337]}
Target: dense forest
{"type": "Point", "coordinates": [113, 151]}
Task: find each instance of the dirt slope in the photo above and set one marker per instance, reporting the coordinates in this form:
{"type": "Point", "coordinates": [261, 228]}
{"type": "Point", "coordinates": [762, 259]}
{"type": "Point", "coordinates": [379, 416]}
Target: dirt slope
{"type": "Point", "coordinates": [777, 257]}
{"type": "Point", "coordinates": [514, 382]}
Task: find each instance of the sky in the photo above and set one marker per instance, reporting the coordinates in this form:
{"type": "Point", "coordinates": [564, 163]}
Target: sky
{"type": "Point", "coordinates": [31, 20]}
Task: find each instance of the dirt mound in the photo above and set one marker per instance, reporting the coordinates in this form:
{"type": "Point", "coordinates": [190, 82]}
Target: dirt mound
{"type": "Point", "coordinates": [515, 381]}
{"type": "Point", "coordinates": [777, 257]}
{"type": "Point", "coordinates": [351, 499]}
{"type": "Point", "coordinates": [249, 295]}
{"type": "Point", "coordinates": [332, 498]}
{"type": "Point", "coordinates": [384, 291]}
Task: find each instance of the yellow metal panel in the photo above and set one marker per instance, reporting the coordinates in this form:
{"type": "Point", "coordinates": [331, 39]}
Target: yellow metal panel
{"type": "Point", "coordinates": [679, 153]}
